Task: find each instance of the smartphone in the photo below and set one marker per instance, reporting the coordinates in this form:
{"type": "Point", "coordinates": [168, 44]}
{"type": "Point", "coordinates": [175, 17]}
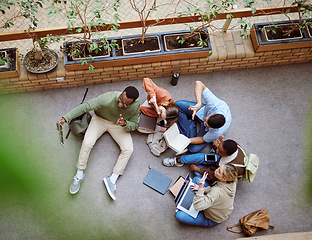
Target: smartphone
{"type": "Point", "coordinates": [60, 129]}
{"type": "Point", "coordinates": [211, 158]}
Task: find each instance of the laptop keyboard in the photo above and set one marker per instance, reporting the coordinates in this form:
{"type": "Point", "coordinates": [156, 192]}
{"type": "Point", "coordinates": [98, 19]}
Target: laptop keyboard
{"type": "Point", "coordinates": [188, 199]}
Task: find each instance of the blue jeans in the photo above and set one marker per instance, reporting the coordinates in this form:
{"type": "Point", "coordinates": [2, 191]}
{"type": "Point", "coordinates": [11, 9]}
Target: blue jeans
{"type": "Point", "coordinates": [198, 159]}
{"type": "Point", "coordinates": [187, 126]}
{"type": "Point", "coordinates": [200, 220]}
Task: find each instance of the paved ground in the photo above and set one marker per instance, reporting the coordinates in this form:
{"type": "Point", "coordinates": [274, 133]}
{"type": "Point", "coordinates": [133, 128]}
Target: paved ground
{"type": "Point", "coordinates": [269, 108]}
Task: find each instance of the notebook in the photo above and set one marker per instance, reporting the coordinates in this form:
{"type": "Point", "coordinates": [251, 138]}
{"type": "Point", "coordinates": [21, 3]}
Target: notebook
{"type": "Point", "coordinates": [184, 199]}
{"type": "Point", "coordinates": [157, 181]}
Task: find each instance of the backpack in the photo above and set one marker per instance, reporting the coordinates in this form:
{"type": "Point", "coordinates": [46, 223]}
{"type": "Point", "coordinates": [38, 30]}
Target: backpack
{"type": "Point", "coordinates": [253, 222]}
{"type": "Point", "coordinates": [79, 125]}
{"type": "Point", "coordinates": [251, 164]}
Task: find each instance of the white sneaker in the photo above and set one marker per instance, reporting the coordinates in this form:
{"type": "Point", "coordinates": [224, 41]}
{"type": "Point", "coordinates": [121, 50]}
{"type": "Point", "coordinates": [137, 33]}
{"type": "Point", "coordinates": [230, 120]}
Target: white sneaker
{"type": "Point", "coordinates": [170, 162]}
{"type": "Point", "coordinates": [110, 187]}
{"type": "Point", "coordinates": [75, 186]}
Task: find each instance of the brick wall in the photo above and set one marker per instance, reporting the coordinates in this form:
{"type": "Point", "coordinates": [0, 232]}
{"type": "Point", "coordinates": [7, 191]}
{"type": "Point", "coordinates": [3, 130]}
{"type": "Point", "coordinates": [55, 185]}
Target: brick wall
{"type": "Point", "coordinates": [229, 52]}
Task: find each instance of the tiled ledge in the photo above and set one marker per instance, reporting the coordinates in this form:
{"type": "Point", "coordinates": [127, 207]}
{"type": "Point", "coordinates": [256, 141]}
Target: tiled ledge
{"type": "Point", "coordinates": [229, 52]}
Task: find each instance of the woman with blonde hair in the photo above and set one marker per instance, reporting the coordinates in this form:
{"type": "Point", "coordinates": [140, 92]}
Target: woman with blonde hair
{"type": "Point", "coordinates": [160, 103]}
{"type": "Point", "coordinates": [214, 203]}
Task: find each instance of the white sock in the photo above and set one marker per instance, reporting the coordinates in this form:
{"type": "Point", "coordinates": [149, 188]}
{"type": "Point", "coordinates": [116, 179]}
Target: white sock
{"type": "Point", "coordinates": [79, 173]}
{"type": "Point", "coordinates": [113, 178]}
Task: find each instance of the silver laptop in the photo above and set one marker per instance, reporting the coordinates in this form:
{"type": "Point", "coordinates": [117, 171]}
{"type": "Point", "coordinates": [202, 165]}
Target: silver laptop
{"type": "Point", "coordinates": [184, 198]}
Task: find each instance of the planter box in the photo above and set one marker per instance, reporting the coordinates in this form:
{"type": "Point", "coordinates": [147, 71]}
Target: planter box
{"type": "Point", "coordinates": [171, 42]}
{"type": "Point", "coordinates": [134, 42]}
{"type": "Point", "coordinates": [101, 54]}
{"type": "Point", "coordinates": [117, 58]}
{"type": "Point", "coordinates": [14, 66]}
{"type": "Point", "coordinates": [261, 44]}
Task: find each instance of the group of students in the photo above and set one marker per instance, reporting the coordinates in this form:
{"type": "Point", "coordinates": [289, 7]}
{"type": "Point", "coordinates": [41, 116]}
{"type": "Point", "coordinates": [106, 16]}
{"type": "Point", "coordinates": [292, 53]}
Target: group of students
{"type": "Point", "coordinates": [118, 113]}
{"type": "Point", "coordinates": [204, 124]}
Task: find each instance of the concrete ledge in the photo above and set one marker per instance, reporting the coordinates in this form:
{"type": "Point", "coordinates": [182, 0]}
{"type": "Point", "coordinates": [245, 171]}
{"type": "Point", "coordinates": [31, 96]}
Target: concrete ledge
{"type": "Point", "coordinates": [229, 52]}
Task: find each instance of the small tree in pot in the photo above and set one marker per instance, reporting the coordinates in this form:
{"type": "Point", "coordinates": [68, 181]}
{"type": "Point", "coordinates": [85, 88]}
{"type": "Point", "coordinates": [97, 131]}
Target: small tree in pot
{"type": "Point", "coordinates": [89, 18]}
{"type": "Point", "coordinates": [41, 59]}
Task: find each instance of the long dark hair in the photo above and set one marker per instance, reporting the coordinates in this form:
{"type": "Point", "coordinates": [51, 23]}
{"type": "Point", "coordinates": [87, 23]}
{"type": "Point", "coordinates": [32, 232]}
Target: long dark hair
{"type": "Point", "coordinates": [172, 112]}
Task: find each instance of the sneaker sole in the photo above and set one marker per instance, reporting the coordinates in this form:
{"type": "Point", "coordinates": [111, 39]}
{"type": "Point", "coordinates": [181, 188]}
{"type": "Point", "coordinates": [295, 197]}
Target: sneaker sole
{"type": "Point", "coordinates": [108, 189]}
{"type": "Point", "coordinates": [73, 193]}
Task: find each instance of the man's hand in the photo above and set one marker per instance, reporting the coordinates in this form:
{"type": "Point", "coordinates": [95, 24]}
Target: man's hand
{"type": "Point", "coordinates": [62, 121]}
{"type": "Point", "coordinates": [120, 121]}
{"type": "Point", "coordinates": [194, 109]}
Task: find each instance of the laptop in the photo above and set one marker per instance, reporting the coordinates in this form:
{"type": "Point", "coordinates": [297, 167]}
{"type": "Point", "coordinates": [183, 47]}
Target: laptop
{"type": "Point", "coordinates": [184, 199]}
{"type": "Point", "coordinates": [157, 181]}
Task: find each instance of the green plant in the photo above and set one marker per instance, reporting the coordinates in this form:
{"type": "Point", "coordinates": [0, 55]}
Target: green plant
{"type": "Point", "coordinates": [3, 59]}
{"type": "Point", "coordinates": [88, 19]}
{"type": "Point", "coordinates": [207, 14]}
{"type": "Point", "coordinates": [144, 8]}
{"type": "Point", "coordinates": [303, 15]}
{"type": "Point", "coordinates": [22, 9]}
{"type": "Point", "coordinates": [41, 43]}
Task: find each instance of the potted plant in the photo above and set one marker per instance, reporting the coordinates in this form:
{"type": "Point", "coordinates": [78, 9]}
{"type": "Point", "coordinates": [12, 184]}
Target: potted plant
{"type": "Point", "coordinates": [9, 63]}
{"type": "Point", "coordinates": [87, 20]}
{"type": "Point", "coordinates": [198, 36]}
{"type": "Point", "coordinates": [142, 44]}
{"type": "Point", "coordinates": [4, 60]}
{"type": "Point", "coordinates": [41, 59]}
{"type": "Point", "coordinates": [293, 33]}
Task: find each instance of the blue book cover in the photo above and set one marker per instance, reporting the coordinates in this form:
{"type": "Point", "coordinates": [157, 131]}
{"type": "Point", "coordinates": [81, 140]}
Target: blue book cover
{"type": "Point", "coordinates": [157, 181]}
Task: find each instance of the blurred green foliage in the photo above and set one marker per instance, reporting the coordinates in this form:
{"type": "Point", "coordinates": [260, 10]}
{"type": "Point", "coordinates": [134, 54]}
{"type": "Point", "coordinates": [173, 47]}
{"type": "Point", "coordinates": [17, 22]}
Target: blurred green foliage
{"type": "Point", "coordinates": [308, 157]}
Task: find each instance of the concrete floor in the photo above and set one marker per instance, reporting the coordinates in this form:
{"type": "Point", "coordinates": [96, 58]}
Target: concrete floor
{"type": "Point", "coordinates": [269, 108]}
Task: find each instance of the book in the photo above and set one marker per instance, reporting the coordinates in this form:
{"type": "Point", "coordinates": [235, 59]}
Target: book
{"type": "Point", "coordinates": [175, 188]}
{"type": "Point", "coordinates": [147, 124]}
{"type": "Point", "coordinates": [157, 181]}
{"type": "Point", "coordinates": [175, 140]}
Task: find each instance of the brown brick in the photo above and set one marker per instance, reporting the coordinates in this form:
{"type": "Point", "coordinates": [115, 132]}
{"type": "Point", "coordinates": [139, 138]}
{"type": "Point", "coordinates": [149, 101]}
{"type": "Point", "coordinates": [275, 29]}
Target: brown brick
{"type": "Point", "coordinates": [287, 51]}
{"type": "Point", "coordinates": [168, 63]}
{"type": "Point", "coordinates": [156, 64]}
{"type": "Point", "coordinates": [231, 50]}
{"type": "Point", "coordinates": [127, 67]}
{"type": "Point", "coordinates": [185, 62]}
{"type": "Point", "coordinates": [259, 54]}
{"type": "Point", "coordinates": [240, 51]}
{"type": "Point", "coordinates": [70, 73]}
{"type": "Point", "coordinates": [237, 38]}
{"type": "Point", "coordinates": [137, 66]}
{"type": "Point", "coordinates": [118, 68]}
{"type": "Point", "coordinates": [80, 72]}
{"type": "Point", "coordinates": [195, 60]}
{"type": "Point", "coordinates": [222, 53]}
{"type": "Point", "coordinates": [108, 69]}
{"type": "Point", "coordinates": [51, 74]}
{"type": "Point", "coordinates": [218, 41]}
